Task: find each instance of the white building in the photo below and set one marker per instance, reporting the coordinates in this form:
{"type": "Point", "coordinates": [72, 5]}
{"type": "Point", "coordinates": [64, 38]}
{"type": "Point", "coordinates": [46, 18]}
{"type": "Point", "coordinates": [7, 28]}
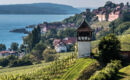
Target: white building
{"type": "Point", "coordinates": [61, 47]}
{"type": "Point", "coordinates": [84, 34]}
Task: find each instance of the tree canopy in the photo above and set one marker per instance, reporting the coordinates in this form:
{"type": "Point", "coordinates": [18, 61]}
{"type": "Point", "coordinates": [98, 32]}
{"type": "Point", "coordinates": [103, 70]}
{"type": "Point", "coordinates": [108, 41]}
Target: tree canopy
{"type": "Point", "coordinates": [2, 47]}
{"type": "Point", "coordinates": [109, 48]}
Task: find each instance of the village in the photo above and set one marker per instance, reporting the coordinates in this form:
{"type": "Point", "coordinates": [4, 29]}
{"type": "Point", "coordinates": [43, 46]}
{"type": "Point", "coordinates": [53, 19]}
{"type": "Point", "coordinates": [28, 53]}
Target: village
{"type": "Point", "coordinates": [61, 45]}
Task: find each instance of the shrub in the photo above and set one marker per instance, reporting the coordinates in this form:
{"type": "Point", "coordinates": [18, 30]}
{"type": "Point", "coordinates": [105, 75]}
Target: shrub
{"type": "Point", "coordinates": [108, 72]}
{"type": "Point", "coordinates": [4, 62]}
{"type": "Point", "coordinates": [109, 48]}
{"type": "Point", "coordinates": [49, 55]}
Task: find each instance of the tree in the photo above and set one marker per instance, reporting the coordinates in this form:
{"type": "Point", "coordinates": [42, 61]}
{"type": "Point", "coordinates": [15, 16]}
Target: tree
{"type": "Point", "coordinates": [2, 47]}
{"type": "Point", "coordinates": [49, 55]}
{"type": "Point", "coordinates": [33, 38]}
{"type": "Point", "coordinates": [14, 46]}
{"type": "Point", "coordinates": [37, 51]}
{"type": "Point", "coordinates": [109, 48]}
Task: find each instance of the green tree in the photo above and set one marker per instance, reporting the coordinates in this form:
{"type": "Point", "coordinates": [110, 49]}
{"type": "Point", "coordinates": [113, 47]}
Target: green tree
{"type": "Point", "coordinates": [37, 51]}
{"type": "Point", "coordinates": [2, 47]}
{"type": "Point", "coordinates": [109, 48]}
{"type": "Point", "coordinates": [49, 55]}
{"type": "Point", "coordinates": [14, 46]}
{"type": "Point", "coordinates": [33, 38]}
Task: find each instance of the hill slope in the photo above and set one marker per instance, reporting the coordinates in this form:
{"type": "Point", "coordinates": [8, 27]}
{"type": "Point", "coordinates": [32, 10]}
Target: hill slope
{"type": "Point", "coordinates": [37, 8]}
{"type": "Point", "coordinates": [124, 39]}
{"type": "Point", "coordinates": [125, 73]}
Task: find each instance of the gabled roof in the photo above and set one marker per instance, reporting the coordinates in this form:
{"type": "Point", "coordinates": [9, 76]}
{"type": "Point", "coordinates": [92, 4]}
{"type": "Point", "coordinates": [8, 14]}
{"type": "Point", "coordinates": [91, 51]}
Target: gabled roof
{"type": "Point", "coordinates": [84, 26]}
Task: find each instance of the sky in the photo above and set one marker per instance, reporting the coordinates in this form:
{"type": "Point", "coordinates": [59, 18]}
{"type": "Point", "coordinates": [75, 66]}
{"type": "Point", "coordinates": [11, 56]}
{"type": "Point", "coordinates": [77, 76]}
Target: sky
{"type": "Point", "coordinates": [74, 3]}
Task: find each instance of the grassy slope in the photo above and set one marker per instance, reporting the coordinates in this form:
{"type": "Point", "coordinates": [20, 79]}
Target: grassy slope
{"type": "Point", "coordinates": [75, 71]}
{"type": "Point", "coordinates": [104, 24]}
{"type": "Point", "coordinates": [125, 73]}
{"type": "Point", "coordinates": [127, 31]}
{"type": "Point", "coordinates": [70, 73]}
{"type": "Point", "coordinates": [30, 67]}
{"type": "Point", "coordinates": [124, 39]}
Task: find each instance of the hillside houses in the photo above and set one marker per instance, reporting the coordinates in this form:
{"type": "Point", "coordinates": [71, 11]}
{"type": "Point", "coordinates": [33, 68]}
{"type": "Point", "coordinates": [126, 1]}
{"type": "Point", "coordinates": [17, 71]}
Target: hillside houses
{"type": "Point", "coordinates": [61, 45]}
{"type": "Point", "coordinates": [7, 53]}
{"type": "Point", "coordinates": [114, 15]}
{"type": "Point", "coordinates": [110, 14]}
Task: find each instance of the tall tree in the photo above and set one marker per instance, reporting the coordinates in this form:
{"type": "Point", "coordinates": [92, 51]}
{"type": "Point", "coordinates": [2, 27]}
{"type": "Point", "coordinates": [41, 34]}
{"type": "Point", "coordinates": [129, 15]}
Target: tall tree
{"type": "Point", "coordinates": [14, 46]}
{"type": "Point", "coordinates": [33, 38]}
{"type": "Point", "coordinates": [2, 47]}
{"type": "Point", "coordinates": [109, 48]}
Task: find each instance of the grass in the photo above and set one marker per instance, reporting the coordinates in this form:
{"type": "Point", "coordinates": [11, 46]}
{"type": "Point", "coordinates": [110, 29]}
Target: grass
{"type": "Point", "coordinates": [29, 68]}
{"type": "Point", "coordinates": [38, 72]}
{"type": "Point", "coordinates": [125, 73]}
{"type": "Point", "coordinates": [125, 42]}
{"type": "Point", "coordinates": [104, 24]}
{"type": "Point", "coordinates": [75, 71]}
{"type": "Point", "coordinates": [124, 39]}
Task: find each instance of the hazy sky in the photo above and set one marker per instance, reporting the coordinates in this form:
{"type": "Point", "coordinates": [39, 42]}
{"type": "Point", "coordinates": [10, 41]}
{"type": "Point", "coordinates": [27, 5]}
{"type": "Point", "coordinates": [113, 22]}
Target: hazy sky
{"type": "Point", "coordinates": [75, 3]}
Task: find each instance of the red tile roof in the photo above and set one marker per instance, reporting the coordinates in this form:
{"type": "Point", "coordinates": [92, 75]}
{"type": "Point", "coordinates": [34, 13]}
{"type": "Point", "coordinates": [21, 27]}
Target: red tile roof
{"type": "Point", "coordinates": [4, 52]}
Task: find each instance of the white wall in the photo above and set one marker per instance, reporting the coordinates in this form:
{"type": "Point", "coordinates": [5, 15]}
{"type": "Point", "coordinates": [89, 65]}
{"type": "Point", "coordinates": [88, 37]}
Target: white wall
{"type": "Point", "coordinates": [84, 49]}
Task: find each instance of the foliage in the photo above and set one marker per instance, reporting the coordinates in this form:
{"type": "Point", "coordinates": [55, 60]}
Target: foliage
{"type": "Point", "coordinates": [120, 25]}
{"type": "Point", "coordinates": [44, 71]}
{"type": "Point", "coordinates": [2, 47]}
{"type": "Point", "coordinates": [49, 55]}
{"type": "Point", "coordinates": [49, 36]}
{"type": "Point", "coordinates": [14, 46]}
{"type": "Point", "coordinates": [4, 62]}
{"type": "Point", "coordinates": [76, 19]}
{"type": "Point", "coordinates": [37, 51]}
{"type": "Point", "coordinates": [109, 48]}
{"type": "Point", "coordinates": [107, 73]}
{"type": "Point", "coordinates": [127, 31]}
{"type": "Point", "coordinates": [126, 71]}
{"type": "Point", "coordinates": [22, 48]}
{"type": "Point", "coordinates": [122, 28]}
{"type": "Point", "coordinates": [70, 47]}
{"type": "Point", "coordinates": [13, 61]}
{"type": "Point", "coordinates": [67, 32]}
{"type": "Point", "coordinates": [126, 16]}
{"type": "Point", "coordinates": [32, 39]}
{"type": "Point", "coordinates": [20, 62]}
{"type": "Point", "coordinates": [54, 71]}
{"type": "Point", "coordinates": [77, 69]}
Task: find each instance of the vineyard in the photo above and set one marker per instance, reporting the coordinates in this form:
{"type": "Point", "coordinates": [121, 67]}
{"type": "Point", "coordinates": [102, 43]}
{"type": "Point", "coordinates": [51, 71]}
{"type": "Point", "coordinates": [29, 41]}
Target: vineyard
{"type": "Point", "coordinates": [64, 68]}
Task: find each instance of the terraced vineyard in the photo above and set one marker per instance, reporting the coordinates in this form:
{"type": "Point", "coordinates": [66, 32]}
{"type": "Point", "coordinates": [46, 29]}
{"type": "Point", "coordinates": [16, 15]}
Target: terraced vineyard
{"type": "Point", "coordinates": [67, 68]}
{"type": "Point", "coordinates": [75, 71]}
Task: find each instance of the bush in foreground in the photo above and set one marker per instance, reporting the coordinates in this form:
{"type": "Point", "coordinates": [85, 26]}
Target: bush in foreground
{"type": "Point", "coordinates": [109, 48]}
{"type": "Point", "coordinates": [108, 72]}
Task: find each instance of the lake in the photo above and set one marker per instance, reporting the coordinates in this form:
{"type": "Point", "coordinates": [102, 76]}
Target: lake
{"type": "Point", "coordinates": [9, 22]}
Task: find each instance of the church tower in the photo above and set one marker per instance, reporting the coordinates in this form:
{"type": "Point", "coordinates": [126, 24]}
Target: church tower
{"type": "Point", "coordinates": [84, 35]}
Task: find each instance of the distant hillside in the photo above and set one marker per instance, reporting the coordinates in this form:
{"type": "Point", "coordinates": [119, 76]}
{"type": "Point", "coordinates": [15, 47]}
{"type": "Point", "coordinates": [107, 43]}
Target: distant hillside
{"type": "Point", "coordinates": [38, 8]}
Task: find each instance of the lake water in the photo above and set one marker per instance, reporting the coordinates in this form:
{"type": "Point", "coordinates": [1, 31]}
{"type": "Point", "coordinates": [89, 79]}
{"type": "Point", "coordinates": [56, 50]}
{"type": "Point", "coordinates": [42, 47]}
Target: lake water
{"type": "Point", "coordinates": [9, 22]}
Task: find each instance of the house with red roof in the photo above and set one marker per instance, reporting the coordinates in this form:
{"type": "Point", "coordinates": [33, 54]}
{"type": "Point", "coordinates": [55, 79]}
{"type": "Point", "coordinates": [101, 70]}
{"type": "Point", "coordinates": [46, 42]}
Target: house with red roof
{"type": "Point", "coordinates": [7, 53]}
{"type": "Point", "coordinates": [61, 45]}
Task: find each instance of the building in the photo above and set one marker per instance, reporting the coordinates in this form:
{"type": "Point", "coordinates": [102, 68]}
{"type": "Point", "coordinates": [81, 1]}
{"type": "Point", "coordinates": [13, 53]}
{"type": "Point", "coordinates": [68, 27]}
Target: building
{"type": "Point", "coordinates": [101, 16]}
{"type": "Point", "coordinates": [7, 53]}
{"type": "Point", "coordinates": [61, 47]}
{"type": "Point", "coordinates": [114, 15]}
{"type": "Point", "coordinates": [69, 40]}
{"type": "Point", "coordinates": [84, 36]}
